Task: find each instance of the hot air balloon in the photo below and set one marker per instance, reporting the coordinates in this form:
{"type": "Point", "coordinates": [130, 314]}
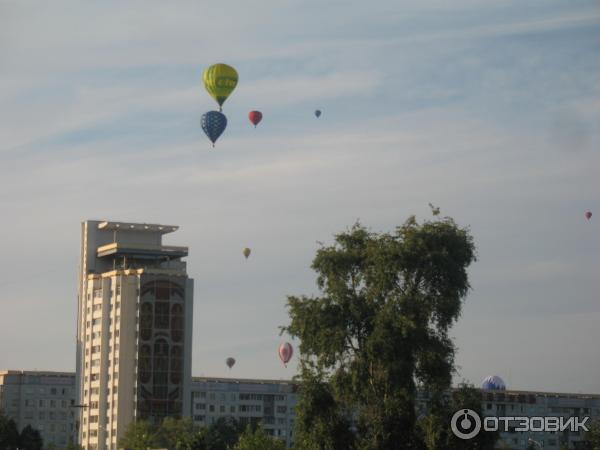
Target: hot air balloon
{"type": "Point", "coordinates": [247, 252]}
{"type": "Point", "coordinates": [318, 113]}
{"type": "Point", "coordinates": [285, 352]}
{"type": "Point", "coordinates": [588, 215]}
{"type": "Point", "coordinates": [255, 117]}
{"type": "Point", "coordinates": [220, 80]}
{"type": "Point", "coordinates": [230, 362]}
{"type": "Point", "coordinates": [213, 124]}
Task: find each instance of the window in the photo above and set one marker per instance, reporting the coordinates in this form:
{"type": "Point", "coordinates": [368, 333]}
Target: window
{"type": "Point", "coordinates": [211, 408]}
{"type": "Point", "coordinates": [52, 403]}
{"type": "Point", "coordinates": [222, 409]}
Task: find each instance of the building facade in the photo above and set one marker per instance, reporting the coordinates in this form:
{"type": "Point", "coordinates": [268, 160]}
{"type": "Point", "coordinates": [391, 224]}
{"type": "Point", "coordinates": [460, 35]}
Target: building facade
{"type": "Point", "coordinates": [43, 400]}
{"type": "Point", "coordinates": [509, 403]}
{"type": "Point", "coordinates": [269, 403]}
{"type": "Point", "coordinates": [134, 330]}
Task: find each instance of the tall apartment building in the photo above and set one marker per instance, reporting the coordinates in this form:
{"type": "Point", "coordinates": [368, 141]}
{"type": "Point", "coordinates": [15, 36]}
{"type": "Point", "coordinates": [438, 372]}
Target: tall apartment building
{"type": "Point", "coordinates": [134, 331]}
{"type": "Point", "coordinates": [43, 400]}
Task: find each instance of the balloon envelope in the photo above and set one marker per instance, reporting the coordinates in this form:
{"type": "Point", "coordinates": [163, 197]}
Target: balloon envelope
{"type": "Point", "coordinates": [318, 113]}
{"type": "Point", "coordinates": [588, 215]}
{"type": "Point", "coordinates": [230, 362]}
{"type": "Point", "coordinates": [247, 252]}
{"type": "Point", "coordinates": [255, 117]}
{"type": "Point", "coordinates": [285, 352]}
{"type": "Point", "coordinates": [220, 80]}
{"type": "Point", "coordinates": [213, 123]}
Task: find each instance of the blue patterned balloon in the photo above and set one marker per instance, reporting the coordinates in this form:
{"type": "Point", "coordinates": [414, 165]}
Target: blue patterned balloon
{"type": "Point", "coordinates": [213, 124]}
{"type": "Point", "coordinates": [493, 383]}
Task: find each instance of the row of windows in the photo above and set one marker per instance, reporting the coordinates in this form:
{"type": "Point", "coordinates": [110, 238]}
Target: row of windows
{"type": "Point", "coordinates": [98, 321]}
{"type": "Point", "coordinates": [233, 396]}
{"type": "Point", "coordinates": [52, 391]}
{"type": "Point", "coordinates": [98, 335]}
{"type": "Point", "coordinates": [97, 292]}
{"type": "Point", "coordinates": [42, 415]}
{"type": "Point", "coordinates": [41, 403]}
{"type": "Point", "coordinates": [241, 408]}
{"type": "Point", "coordinates": [96, 391]}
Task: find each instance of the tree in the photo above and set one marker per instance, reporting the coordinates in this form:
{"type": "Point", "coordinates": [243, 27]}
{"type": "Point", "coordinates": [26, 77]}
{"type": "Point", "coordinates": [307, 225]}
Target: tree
{"type": "Point", "coordinates": [176, 434]}
{"type": "Point", "coordinates": [593, 435]}
{"type": "Point", "coordinates": [140, 435]}
{"type": "Point", "coordinates": [379, 327]}
{"type": "Point", "coordinates": [465, 397]}
{"type": "Point", "coordinates": [9, 434]}
{"type": "Point", "coordinates": [30, 439]}
{"type": "Point", "coordinates": [221, 435]}
{"type": "Point", "coordinates": [258, 440]}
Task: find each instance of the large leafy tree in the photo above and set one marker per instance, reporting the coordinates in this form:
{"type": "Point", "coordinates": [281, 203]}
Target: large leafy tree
{"type": "Point", "coordinates": [257, 439]}
{"type": "Point", "coordinates": [140, 435]}
{"type": "Point", "coordinates": [593, 435]}
{"type": "Point", "coordinates": [379, 328]}
{"type": "Point", "coordinates": [176, 434]}
{"type": "Point", "coordinates": [30, 439]}
{"type": "Point", "coordinates": [9, 434]}
{"type": "Point", "coordinates": [465, 397]}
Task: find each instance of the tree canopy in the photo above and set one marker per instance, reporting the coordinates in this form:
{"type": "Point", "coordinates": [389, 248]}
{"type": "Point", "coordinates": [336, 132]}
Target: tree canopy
{"type": "Point", "coordinates": [378, 330]}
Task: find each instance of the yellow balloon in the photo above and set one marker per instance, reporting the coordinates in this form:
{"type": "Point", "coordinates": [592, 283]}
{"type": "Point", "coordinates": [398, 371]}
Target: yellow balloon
{"type": "Point", "coordinates": [220, 80]}
{"type": "Point", "coordinates": [246, 252]}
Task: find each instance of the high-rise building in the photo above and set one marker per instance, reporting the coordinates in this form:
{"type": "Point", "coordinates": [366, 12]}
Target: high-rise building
{"type": "Point", "coordinates": [134, 331]}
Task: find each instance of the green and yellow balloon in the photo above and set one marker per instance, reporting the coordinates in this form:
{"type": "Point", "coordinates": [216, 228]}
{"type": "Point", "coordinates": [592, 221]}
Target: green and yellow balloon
{"type": "Point", "coordinates": [220, 80]}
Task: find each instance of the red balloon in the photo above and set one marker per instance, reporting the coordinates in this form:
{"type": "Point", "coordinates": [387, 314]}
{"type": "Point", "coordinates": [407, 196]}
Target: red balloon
{"type": "Point", "coordinates": [255, 117]}
{"type": "Point", "coordinates": [285, 352]}
{"type": "Point", "coordinates": [588, 215]}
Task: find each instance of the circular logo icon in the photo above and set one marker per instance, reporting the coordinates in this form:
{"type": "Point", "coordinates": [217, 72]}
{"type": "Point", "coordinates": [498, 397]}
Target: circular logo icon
{"type": "Point", "coordinates": [465, 424]}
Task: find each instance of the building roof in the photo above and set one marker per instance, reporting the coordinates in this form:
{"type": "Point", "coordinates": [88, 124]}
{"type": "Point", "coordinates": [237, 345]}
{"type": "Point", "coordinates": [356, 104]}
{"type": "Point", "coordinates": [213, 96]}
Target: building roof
{"type": "Point", "coordinates": [133, 226]}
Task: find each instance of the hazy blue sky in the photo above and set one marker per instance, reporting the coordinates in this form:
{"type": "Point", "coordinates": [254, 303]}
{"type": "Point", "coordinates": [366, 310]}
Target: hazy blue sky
{"type": "Point", "coordinates": [489, 109]}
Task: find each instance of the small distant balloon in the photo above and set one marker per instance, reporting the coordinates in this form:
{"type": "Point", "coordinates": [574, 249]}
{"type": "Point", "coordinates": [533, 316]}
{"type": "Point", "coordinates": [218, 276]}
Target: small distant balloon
{"type": "Point", "coordinates": [318, 113]}
{"type": "Point", "coordinates": [588, 215]}
{"type": "Point", "coordinates": [285, 352]}
{"type": "Point", "coordinates": [230, 362]}
{"type": "Point", "coordinates": [247, 252]}
{"type": "Point", "coordinates": [255, 117]}
{"type": "Point", "coordinates": [214, 123]}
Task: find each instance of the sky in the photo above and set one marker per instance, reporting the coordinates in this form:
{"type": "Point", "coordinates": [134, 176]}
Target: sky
{"type": "Point", "coordinates": [489, 110]}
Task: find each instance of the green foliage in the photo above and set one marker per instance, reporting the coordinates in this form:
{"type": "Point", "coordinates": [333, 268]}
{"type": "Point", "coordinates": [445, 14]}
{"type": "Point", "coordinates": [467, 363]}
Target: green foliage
{"type": "Point", "coordinates": [176, 434]}
{"type": "Point", "coordinates": [465, 397]}
{"type": "Point", "coordinates": [9, 434]}
{"type": "Point", "coordinates": [140, 435]}
{"type": "Point", "coordinates": [221, 435]}
{"type": "Point", "coordinates": [180, 434]}
{"type": "Point", "coordinates": [258, 440]}
{"type": "Point", "coordinates": [379, 327]}
{"type": "Point", "coordinates": [30, 439]}
{"type": "Point", "coordinates": [593, 435]}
